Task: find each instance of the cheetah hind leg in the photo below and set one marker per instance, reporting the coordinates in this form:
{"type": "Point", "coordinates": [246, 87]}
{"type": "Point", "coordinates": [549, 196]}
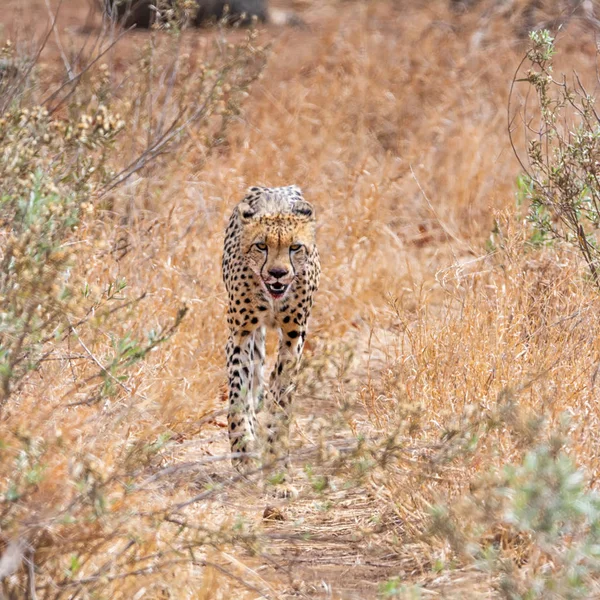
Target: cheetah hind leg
{"type": "Point", "coordinates": [279, 412]}
{"type": "Point", "coordinates": [277, 477]}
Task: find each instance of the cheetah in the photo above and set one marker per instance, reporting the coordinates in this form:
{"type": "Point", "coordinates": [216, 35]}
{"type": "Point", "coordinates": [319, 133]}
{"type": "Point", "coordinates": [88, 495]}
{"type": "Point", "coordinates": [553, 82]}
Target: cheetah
{"type": "Point", "coordinates": [271, 272]}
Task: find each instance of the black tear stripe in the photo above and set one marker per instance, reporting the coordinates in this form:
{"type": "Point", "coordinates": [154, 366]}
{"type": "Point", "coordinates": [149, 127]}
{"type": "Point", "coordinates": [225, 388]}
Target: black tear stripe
{"type": "Point", "coordinates": [292, 263]}
{"type": "Point", "coordinates": [266, 258]}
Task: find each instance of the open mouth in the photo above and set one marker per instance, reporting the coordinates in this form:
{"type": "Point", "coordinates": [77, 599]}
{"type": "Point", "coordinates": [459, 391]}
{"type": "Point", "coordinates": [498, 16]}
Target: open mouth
{"type": "Point", "coordinates": [277, 290]}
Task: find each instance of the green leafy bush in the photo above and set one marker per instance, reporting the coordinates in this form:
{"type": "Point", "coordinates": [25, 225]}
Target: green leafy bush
{"type": "Point", "coordinates": [534, 526]}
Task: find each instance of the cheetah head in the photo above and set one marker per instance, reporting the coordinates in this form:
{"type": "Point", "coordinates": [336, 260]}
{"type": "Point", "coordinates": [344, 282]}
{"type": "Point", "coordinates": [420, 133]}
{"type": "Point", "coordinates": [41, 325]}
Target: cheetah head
{"type": "Point", "coordinates": [278, 236]}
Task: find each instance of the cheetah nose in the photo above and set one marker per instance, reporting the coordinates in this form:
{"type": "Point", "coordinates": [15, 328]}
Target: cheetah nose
{"type": "Point", "coordinates": [278, 273]}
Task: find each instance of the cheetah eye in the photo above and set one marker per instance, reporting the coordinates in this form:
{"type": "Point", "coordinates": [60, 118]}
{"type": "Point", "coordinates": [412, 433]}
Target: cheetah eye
{"type": "Point", "coordinates": [295, 247]}
{"type": "Point", "coordinates": [261, 246]}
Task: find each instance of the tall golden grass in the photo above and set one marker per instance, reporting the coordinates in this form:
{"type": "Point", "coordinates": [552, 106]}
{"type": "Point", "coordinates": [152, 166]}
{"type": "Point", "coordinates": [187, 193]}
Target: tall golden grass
{"type": "Point", "coordinates": [442, 346]}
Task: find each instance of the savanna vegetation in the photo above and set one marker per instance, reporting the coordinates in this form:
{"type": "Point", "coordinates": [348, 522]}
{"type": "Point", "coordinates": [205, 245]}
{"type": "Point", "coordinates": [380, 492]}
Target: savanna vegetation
{"type": "Point", "coordinates": [446, 435]}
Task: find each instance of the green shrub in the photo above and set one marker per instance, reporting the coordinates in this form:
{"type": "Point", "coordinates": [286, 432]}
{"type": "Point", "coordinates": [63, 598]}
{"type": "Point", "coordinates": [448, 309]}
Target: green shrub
{"type": "Point", "coordinates": [533, 526]}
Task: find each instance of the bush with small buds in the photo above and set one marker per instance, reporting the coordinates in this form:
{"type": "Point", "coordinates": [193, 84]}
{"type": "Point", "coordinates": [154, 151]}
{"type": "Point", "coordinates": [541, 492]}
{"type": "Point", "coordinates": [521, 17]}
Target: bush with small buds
{"type": "Point", "coordinates": [62, 153]}
{"type": "Point", "coordinates": [562, 163]}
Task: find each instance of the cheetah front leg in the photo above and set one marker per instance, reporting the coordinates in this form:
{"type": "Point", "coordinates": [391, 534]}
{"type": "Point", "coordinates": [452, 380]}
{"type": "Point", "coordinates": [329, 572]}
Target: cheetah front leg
{"type": "Point", "coordinates": [258, 385]}
{"type": "Point", "coordinates": [241, 414]}
{"type": "Point", "coordinates": [279, 404]}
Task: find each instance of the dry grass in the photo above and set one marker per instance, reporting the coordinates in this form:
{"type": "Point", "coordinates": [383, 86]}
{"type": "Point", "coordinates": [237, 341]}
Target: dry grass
{"type": "Point", "coordinates": [393, 121]}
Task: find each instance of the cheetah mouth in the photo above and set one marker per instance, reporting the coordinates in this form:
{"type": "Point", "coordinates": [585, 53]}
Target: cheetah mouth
{"type": "Point", "coordinates": [277, 289]}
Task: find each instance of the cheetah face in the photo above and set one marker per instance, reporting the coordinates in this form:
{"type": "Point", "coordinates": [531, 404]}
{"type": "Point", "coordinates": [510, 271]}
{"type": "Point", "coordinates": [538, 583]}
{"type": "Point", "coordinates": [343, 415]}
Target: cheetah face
{"type": "Point", "coordinates": [276, 248]}
{"type": "Point", "coordinates": [277, 258]}
{"type": "Point", "coordinates": [279, 261]}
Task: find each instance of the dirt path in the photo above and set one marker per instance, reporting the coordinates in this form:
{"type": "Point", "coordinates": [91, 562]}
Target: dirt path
{"type": "Point", "coordinates": [335, 540]}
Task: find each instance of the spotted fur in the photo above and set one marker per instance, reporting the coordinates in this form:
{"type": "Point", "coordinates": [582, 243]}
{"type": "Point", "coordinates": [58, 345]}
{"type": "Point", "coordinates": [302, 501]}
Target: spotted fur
{"type": "Point", "coordinates": [271, 272]}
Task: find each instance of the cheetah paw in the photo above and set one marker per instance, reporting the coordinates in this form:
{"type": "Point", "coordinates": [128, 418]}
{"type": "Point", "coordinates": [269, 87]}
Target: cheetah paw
{"type": "Point", "coordinates": [285, 491]}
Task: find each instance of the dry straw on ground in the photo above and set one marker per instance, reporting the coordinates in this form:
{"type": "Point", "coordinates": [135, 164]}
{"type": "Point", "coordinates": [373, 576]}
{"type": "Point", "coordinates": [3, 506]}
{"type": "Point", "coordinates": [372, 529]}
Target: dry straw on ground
{"type": "Point", "coordinates": [442, 347]}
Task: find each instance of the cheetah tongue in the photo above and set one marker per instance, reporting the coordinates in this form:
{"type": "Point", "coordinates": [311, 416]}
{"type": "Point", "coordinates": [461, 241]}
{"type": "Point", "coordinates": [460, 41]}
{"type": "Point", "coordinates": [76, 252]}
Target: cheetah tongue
{"type": "Point", "coordinates": [276, 289]}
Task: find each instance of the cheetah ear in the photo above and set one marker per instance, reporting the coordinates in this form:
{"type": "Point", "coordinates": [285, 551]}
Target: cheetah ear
{"type": "Point", "coordinates": [303, 208]}
{"type": "Point", "coordinates": [247, 207]}
{"type": "Point", "coordinates": [247, 212]}
{"type": "Point", "coordinates": [255, 191]}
